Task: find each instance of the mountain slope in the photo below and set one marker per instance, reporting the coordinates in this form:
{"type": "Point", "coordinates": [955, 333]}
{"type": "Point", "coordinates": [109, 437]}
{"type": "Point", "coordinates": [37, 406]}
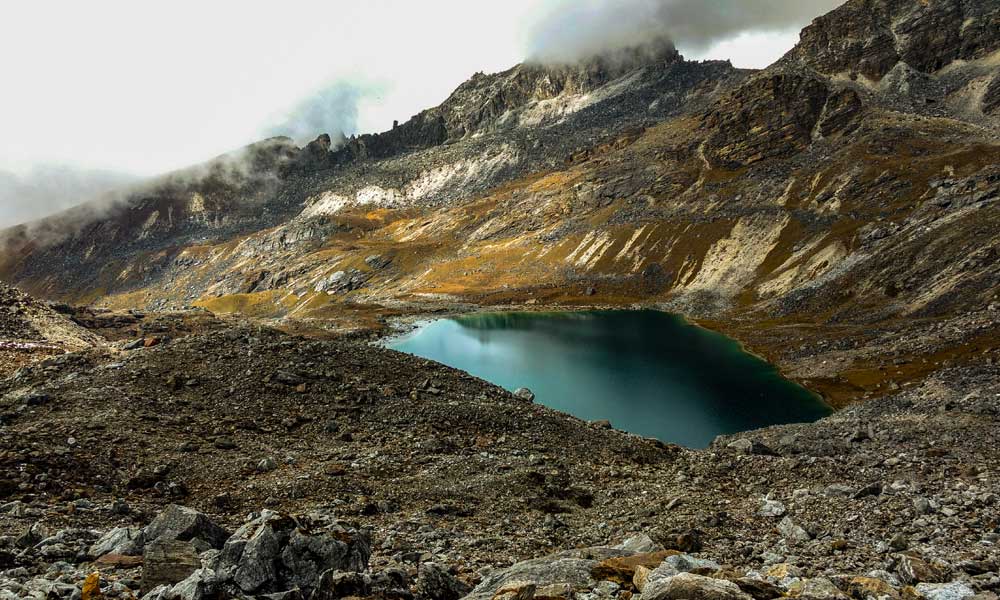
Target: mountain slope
{"type": "Point", "coordinates": [834, 211]}
{"type": "Point", "coordinates": [31, 330]}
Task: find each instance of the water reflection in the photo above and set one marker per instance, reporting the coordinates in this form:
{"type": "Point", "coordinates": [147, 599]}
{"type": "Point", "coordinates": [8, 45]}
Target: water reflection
{"type": "Point", "coordinates": [648, 372]}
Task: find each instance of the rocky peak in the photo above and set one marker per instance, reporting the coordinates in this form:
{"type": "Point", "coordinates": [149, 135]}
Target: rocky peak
{"type": "Point", "coordinates": [869, 37]}
{"type": "Point", "coordinates": [477, 103]}
{"type": "Point", "coordinates": [480, 103]}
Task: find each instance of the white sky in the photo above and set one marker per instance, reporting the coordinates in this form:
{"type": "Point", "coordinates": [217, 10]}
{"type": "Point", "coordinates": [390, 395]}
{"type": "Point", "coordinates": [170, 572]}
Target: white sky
{"type": "Point", "coordinates": [143, 88]}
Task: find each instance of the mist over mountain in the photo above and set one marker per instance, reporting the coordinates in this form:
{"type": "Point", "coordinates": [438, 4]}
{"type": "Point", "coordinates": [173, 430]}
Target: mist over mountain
{"type": "Point", "coordinates": [47, 189]}
{"type": "Point", "coordinates": [571, 30]}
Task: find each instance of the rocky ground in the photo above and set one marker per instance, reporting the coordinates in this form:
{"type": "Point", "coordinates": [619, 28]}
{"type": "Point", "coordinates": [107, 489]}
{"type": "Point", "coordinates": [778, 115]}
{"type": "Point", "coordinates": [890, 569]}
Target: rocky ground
{"type": "Point", "coordinates": [408, 479]}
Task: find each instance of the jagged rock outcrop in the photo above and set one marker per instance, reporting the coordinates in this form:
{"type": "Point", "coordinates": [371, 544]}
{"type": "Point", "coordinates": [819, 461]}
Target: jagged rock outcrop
{"type": "Point", "coordinates": [869, 37]}
{"type": "Point", "coordinates": [991, 97]}
{"type": "Point", "coordinates": [773, 116]}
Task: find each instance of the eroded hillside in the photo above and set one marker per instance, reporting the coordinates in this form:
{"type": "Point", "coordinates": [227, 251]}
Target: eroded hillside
{"type": "Point", "coordinates": [834, 211]}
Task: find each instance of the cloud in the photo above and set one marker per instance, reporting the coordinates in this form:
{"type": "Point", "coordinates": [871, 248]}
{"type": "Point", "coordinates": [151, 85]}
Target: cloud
{"type": "Point", "coordinates": [48, 189]}
{"type": "Point", "coordinates": [333, 109]}
{"type": "Point", "coordinates": [576, 29]}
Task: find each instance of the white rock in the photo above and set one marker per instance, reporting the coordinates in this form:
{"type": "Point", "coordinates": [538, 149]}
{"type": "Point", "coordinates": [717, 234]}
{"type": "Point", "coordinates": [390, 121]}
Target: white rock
{"type": "Point", "coordinates": [955, 590]}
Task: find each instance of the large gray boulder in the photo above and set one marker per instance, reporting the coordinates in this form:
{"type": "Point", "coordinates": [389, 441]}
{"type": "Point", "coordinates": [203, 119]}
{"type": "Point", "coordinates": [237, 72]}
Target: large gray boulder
{"type": "Point", "coordinates": [120, 540]}
{"type": "Point", "coordinates": [179, 523]}
{"type": "Point", "coordinates": [573, 567]}
{"type": "Point", "coordinates": [275, 553]}
{"type": "Point", "coordinates": [688, 586]}
{"type": "Point", "coordinates": [436, 583]}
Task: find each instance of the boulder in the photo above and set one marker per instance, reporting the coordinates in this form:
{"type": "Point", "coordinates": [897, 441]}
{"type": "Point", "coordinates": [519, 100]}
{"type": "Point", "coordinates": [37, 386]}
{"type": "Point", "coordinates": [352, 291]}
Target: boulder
{"type": "Point", "coordinates": [120, 540]}
{"type": "Point", "coordinates": [621, 570]}
{"type": "Point", "coordinates": [759, 589]}
{"type": "Point", "coordinates": [334, 585]}
{"type": "Point", "coordinates": [275, 552]}
{"type": "Point", "coordinates": [524, 394]}
{"type": "Point", "coordinates": [572, 567]}
{"type": "Point", "coordinates": [955, 590]}
{"type": "Point", "coordinates": [688, 586]}
{"type": "Point", "coordinates": [437, 583]}
{"type": "Point", "coordinates": [815, 589]}
{"type": "Point", "coordinates": [168, 562]}
{"type": "Point", "coordinates": [772, 508]}
{"type": "Point", "coordinates": [203, 584]}
{"type": "Point", "coordinates": [638, 544]}
{"type": "Point", "coordinates": [684, 563]}
{"type": "Point", "coordinates": [871, 587]}
{"type": "Point", "coordinates": [912, 570]}
{"type": "Point", "coordinates": [179, 523]}
{"type": "Point", "coordinates": [792, 532]}
{"type": "Point", "coordinates": [516, 590]}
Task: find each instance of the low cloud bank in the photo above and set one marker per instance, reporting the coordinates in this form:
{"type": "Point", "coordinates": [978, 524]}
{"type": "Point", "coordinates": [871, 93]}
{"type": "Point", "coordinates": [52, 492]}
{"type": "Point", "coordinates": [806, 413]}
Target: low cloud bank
{"type": "Point", "coordinates": [578, 29]}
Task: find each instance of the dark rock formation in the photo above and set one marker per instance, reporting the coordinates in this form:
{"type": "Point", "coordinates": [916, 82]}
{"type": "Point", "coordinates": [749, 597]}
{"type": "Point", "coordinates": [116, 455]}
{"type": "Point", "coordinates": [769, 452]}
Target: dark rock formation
{"type": "Point", "coordinates": [869, 37]}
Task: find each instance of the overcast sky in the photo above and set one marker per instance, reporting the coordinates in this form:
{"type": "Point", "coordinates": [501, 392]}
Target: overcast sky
{"type": "Point", "coordinates": [145, 87]}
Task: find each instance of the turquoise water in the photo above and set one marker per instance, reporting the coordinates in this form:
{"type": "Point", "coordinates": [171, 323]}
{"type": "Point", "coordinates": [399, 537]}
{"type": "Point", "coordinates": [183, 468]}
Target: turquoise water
{"type": "Point", "coordinates": [648, 372]}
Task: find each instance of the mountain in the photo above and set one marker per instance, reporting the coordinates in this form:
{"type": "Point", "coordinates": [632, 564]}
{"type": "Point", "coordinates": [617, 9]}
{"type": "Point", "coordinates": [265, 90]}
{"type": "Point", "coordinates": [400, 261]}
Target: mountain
{"type": "Point", "coordinates": [844, 191]}
{"type": "Point", "coordinates": [835, 212]}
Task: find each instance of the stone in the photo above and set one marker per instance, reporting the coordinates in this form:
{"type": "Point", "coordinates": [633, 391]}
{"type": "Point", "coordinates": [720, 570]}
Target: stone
{"type": "Point", "coordinates": [838, 490]}
{"type": "Point", "coordinates": [32, 536]}
{"type": "Point", "coordinates": [913, 570]}
{"type": "Point", "coordinates": [792, 532]}
{"type": "Point", "coordinates": [437, 583]}
{"type": "Point", "coordinates": [334, 585]}
{"type": "Point", "coordinates": [955, 590]}
{"type": "Point", "coordinates": [759, 589]}
{"type": "Point", "coordinates": [771, 508]}
{"type": "Point", "coordinates": [91, 589]}
{"type": "Point", "coordinates": [870, 587]}
{"type": "Point", "coordinates": [899, 542]}
{"type": "Point", "coordinates": [750, 447]}
{"type": "Point", "coordinates": [922, 506]}
{"type": "Point", "coordinates": [555, 591]}
{"type": "Point", "coordinates": [274, 552]}
{"type": "Point", "coordinates": [688, 586]}
{"type": "Point", "coordinates": [307, 556]}
{"type": "Point", "coordinates": [621, 570]}
{"type": "Point", "coordinates": [203, 584]}
{"type": "Point", "coordinates": [185, 524]}
{"type": "Point", "coordinates": [639, 544]}
{"type": "Point", "coordinates": [818, 588]}
{"type": "Point", "coordinates": [781, 571]}
{"type": "Point", "coordinates": [872, 489]}
{"type": "Point", "coordinates": [641, 577]}
{"type": "Point", "coordinates": [689, 541]}
{"type": "Point", "coordinates": [118, 561]}
{"type": "Point", "coordinates": [684, 563]}
{"type": "Point", "coordinates": [167, 562]}
{"type": "Point", "coordinates": [571, 567]}
{"type": "Point", "coordinates": [524, 394]}
{"type": "Point", "coordinates": [266, 465]}
{"type": "Point", "coordinates": [516, 590]}
{"type": "Point", "coordinates": [120, 540]}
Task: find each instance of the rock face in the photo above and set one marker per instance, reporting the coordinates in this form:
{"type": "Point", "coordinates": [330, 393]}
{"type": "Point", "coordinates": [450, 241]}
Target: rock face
{"type": "Point", "coordinates": [991, 98]}
{"type": "Point", "coordinates": [776, 115]}
{"type": "Point", "coordinates": [869, 37]}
